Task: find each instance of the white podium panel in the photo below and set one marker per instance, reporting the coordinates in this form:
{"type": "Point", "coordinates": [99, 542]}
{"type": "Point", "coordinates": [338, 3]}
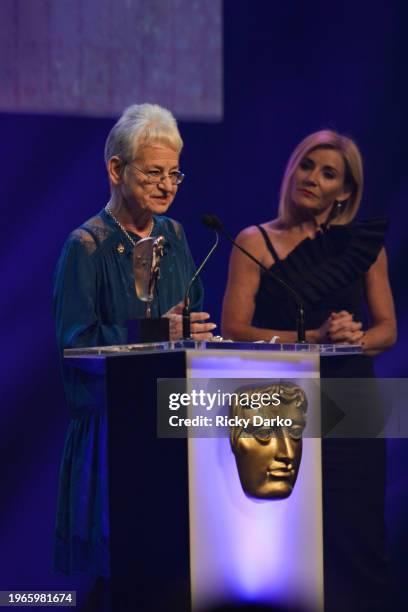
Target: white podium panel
{"type": "Point", "coordinates": [247, 549]}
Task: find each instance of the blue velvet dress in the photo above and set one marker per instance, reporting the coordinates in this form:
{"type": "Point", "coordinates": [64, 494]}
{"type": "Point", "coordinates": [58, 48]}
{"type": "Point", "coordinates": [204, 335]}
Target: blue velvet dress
{"type": "Point", "coordinates": [94, 297]}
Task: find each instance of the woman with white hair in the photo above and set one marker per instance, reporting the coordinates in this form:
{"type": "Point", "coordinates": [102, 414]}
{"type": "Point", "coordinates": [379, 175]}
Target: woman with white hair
{"type": "Point", "coordinates": [94, 298]}
{"type": "Point", "coordinates": [338, 268]}
{"type": "Point", "coordinates": [142, 158]}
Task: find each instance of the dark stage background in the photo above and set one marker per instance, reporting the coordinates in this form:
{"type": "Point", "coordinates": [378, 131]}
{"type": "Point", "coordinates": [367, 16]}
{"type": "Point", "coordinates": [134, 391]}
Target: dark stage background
{"type": "Point", "coordinates": [289, 68]}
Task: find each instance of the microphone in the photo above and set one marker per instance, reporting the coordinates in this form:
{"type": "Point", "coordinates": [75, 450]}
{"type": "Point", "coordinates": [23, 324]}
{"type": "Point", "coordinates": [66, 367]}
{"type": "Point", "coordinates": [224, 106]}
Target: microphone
{"type": "Point", "coordinates": [186, 308]}
{"type": "Point", "coordinates": [214, 223]}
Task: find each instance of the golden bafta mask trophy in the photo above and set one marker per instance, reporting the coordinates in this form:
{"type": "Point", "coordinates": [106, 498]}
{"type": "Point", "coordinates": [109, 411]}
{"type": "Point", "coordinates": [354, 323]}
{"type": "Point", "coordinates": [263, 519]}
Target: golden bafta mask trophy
{"type": "Point", "coordinates": [268, 452]}
{"type": "Point", "coordinates": [147, 254]}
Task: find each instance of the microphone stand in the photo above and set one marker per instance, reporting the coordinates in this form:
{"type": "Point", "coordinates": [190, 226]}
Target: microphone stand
{"type": "Point", "coordinates": [212, 222]}
{"type": "Point", "coordinates": [186, 308]}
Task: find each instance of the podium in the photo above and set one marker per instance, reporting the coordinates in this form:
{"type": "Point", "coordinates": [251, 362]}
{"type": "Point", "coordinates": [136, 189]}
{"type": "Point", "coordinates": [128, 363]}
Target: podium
{"type": "Point", "coordinates": [183, 534]}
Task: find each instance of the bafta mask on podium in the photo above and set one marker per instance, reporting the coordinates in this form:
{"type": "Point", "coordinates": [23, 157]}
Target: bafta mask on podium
{"type": "Point", "coordinates": [267, 440]}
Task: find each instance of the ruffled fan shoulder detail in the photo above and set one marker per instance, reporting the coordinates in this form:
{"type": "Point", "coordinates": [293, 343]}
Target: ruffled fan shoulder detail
{"type": "Point", "coordinates": [335, 258]}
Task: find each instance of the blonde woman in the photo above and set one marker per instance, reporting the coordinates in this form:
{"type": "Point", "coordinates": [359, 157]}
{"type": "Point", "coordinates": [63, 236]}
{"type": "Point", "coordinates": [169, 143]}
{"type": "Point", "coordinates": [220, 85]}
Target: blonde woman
{"type": "Point", "coordinates": [333, 265]}
{"type": "Point", "coordinates": [339, 269]}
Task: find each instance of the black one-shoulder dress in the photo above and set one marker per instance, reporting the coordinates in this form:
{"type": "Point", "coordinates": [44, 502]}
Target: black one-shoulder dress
{"type": "Point", "coordinates": [328, 273]}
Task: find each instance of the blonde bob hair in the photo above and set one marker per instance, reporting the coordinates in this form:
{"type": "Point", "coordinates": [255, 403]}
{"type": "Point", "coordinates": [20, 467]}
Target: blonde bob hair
{"type": "Point", "coordinates": [141, 125]}
{"type": "Point", "coordinates": [353, 178]}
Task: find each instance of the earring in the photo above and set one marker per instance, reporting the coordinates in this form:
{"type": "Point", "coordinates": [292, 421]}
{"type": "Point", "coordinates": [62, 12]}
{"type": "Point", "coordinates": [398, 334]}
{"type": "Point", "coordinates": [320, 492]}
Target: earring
{"type": "Point", "coordinates": [335, 211]}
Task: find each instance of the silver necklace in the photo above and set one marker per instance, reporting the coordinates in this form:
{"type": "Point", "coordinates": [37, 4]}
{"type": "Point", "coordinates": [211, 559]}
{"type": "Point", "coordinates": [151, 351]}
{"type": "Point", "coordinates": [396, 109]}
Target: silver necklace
{"type": "Point", "coordinates": [118, 223]}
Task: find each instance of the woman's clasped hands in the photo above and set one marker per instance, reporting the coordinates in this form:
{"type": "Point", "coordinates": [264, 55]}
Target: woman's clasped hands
{"type": "Point", "coordinates": [340, 328]}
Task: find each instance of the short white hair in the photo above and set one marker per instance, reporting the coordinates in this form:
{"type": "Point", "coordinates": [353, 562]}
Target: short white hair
{"type": "Point", "coordinates": [141, 125]}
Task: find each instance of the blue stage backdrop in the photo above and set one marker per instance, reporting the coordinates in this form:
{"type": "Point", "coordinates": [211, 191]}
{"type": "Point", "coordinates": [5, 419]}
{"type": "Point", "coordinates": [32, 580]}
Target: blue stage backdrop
{"type": "Point", "coordinates": [289, 68]}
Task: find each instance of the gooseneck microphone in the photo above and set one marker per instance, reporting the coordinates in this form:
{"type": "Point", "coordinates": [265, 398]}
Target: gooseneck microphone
{"type": "Point", "coordinates": [213, 222]}
{"type": "Point", "coordinates": [186, 308]}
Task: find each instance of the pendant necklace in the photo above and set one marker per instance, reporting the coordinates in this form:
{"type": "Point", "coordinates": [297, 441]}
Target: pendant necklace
{"type": "Point", "coordinates": [118, 223]}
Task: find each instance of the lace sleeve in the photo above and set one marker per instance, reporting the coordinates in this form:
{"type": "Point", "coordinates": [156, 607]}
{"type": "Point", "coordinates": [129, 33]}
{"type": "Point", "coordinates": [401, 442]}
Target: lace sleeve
{"type": "Point", "coordinates": [75, 297]}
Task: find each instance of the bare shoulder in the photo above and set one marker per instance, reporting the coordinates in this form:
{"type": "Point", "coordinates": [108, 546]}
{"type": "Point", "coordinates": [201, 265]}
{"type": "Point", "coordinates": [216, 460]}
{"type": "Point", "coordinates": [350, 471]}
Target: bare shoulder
{"type": "Point", "coordinates": [250, 239]}
{"type": "Point", "coordinates": [248, 233]}
{"type": "Point", "coordinates": [253, 234]}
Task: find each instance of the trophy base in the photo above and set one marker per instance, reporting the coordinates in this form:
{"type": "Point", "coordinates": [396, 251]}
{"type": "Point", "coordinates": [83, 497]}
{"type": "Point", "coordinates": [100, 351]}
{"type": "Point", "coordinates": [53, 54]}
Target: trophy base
{"type": "Point", "coordinates": [148, 330]}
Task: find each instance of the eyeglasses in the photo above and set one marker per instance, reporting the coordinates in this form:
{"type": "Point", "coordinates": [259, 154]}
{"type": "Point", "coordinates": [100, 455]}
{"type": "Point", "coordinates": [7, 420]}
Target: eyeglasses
{"type": "Point", "coordinates": [156, 176]}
